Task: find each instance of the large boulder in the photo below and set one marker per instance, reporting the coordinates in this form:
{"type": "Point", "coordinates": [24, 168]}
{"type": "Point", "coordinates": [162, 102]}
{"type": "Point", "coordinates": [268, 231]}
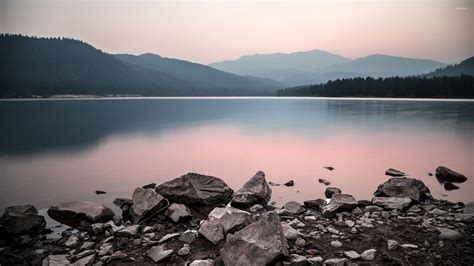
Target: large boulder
{"type": "Point", "coordinates": [73, 212]}
{"type": "Point", "coordinates": [254, 191]}
{"type": "Point", "coordinates": [392, 203]}
{"type": "Point", "coordinates": [196, 189]}
{"type": "Point", "coordinates": [404, 187]}
{"type": "Point", "coordinates": [222, 221]}
{"type": "Point", "coordinates": [445, 174]}
{"type": "Point", "coordinates": [22, 220]}
{"type": "Point", "coordinates": [146, 202]}
{"type": "Point", "coordinates": [260, 243]}
{"type": "Point", "coordinates": [339, 203]}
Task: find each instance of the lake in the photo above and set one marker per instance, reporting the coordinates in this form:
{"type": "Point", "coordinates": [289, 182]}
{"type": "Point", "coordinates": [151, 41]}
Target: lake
{"type": "Point", "coordinates": [59, 150]}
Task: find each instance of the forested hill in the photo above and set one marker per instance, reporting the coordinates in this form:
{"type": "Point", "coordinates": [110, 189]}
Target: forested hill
{"type": "Point", "coordinates": [466, 67]}
{"type": "Point", "coordinates": [47, 66]}
{"type": "Point", "coordinates": [407, 87]}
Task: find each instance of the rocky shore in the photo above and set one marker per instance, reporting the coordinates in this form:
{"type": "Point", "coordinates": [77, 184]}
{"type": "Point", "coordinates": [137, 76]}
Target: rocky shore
{"type": "Point", "coordinates": [199, 220]}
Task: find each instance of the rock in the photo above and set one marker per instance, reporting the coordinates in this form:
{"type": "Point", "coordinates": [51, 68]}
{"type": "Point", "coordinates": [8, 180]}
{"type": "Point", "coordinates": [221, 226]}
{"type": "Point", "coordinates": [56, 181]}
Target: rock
{"type": "Point", "coordinates": [117, 255]}
{"type": "Point", "coordinates": [22, 220]}
{"type": "Point", "coordinates": [300, 242]}
{"type": "Point", "coordinates": [72, 241]}
{"type": "Point", "coordinates": [151, 185]}
{"type": "Point", "coordinates": [293, 207]}
{"type": "Point", "coordinates": [336, 244]}
{"type": "Point", "coordinates": [339, 203]}
{"type": "Point", "coordinates": [315, 260]}
{"type": "Point", "coordinates": [336, 262]}
{"type": "Point", "coordinates": [168, 237]}
{"type": "Point", "coordinates": [254, 191]}
{"type": "Point", "coordinates": [87, 245]}
{"type": "Point", "coordinates": [74, 212]}
{"type": "Point", "coordinates": [159, 253]}
{"type": "Point", "coordinates": [256, 208]}
{"type": "Point", "coordinates": [315, 204]}
{"type": "Point", "coordinates": [290, 183]}
{"type": "Point", "coordinates": [177, 212]}
{"type": "Point", "coordinates": [404, 187]}
{"type": "Point", "coordinates": [392, 244]}
{"type": "Point", "coordinates": [122, 202]}
{"type": "Point", "coordinates": [392, 203]}
{"type": "Point", "coordinates": [445, 174]}
{"type": "Point", "coordinates": [196, 189]}
{"type": "Point", "coordinates": [393, 172]}
{"type": "Point", "coordinates": [368, 254]}
{"type": "Point", "coordinates": [330, 168]}
{"type": "Point", "coordinates": [406, 246]}
{"type": "Point", "coordinates": [146, 202]}
{"type": "Point", "coordinates": [330, 191]}
{"type": "Point", "coordinates": [352, 255]}
{"type": "Point", "coordinates": [202, 263]}
{"type": "Point", "coordinates": [324, 181]}
{"type": "Point", "coordinates": [450, 186]}
{"type": "Point", "coordinates": [449, 234]}
{"type": "Point", "coordinates": [469, 208]}
{"type": "Point", "coordinates": [290, 233]}
{"type": "Point", "coordinates": [106, 249]}
{"type": "Point", "coordinates": [349, 223]}
{"type": "Point", "coordinates": [212, 230]}
{"type": "Point", "coordinates": [99, 192]}
{"type": "Point", "coordinates": [98, 228]}
{"type": "Point", "coordinates": [88, 260]}
{"type": "Point", "coordinates": [185, 250]}
{"type": "Point", "coordinates": [259, 243]}
{"type": "Point", "coordinates": [55, 260]}
{"type": "Point", "coordinates": [298, 260]}
{"type": "Point", "coordinates": [188, 236]}
{"type": "Point", "coordinates": [130, 230]}
{"type": "Point", "coordinates": [438, 212]}
{"type": "Point", "coordinates": [273, 184]}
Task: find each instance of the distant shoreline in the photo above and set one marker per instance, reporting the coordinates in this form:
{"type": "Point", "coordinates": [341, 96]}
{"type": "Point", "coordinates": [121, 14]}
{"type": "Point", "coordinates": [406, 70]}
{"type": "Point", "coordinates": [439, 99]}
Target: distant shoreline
{"type": "Point", "coordinates": [97, 97]}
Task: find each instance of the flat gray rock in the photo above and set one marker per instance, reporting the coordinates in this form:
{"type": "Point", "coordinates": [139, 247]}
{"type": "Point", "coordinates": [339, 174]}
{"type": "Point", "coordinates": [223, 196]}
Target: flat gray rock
{"type": "Point", "coordinates": [159, 253]}
{"type": "Point", "coordinates": [196, 189]}
{"type": "Point", "coordinates": [81, 211]}
{"type": "Point", "coordinates": [55, 260]}
{"type": "Point", "coordinates": [339, 203]}
{"type": "Point", "coordinates": [254, 191]}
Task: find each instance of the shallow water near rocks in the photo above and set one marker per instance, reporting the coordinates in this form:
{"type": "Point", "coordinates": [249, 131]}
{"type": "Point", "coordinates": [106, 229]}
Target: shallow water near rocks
{"type": "Point", "coordinates": [60, 150]}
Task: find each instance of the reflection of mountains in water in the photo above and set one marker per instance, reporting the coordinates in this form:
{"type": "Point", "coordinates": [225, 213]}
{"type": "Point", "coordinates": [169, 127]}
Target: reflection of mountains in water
{"type": "Point", "coordinates": [39, 126]}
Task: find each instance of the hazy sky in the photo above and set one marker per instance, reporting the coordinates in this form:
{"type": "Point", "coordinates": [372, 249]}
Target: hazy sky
{"type": "Point", "coordinates": [208, 31]}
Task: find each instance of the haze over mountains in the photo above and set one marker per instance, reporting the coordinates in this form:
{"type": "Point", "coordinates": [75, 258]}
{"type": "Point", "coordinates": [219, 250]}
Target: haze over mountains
{"type": "Point", "coordinates": [317, 66]}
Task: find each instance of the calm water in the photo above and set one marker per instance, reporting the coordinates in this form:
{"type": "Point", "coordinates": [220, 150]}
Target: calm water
{"type": "Point", "coordinates": [54, 151]}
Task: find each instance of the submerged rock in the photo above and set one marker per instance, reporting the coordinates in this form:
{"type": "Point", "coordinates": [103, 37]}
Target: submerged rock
{"type": "Point", "coordinates": [404, 187]}
{"type": "Point", "coordinates": [196, 189]}
{"type": "Point", "coordinates": [260, 243]}
{"type": "Point", "coordinates": [146, 202]}
{"type": "Point", "coordinates": [331, 191]}
{"type": "Point", "coordinates": [393, 172]}
{"type": "Point", "coordinates": [22, 220]}
{"type": "Point", "coordinates": [290, 183]}
{"type": "Point", "coordinates": [254, 191]}
{"type": "Point", "coordinates": [450, 186]}
{"type": "Point", "coordinates": [393, 203]}
{"type": "Point", "coordinates": [77, 211]}
{"type": "Point", "coordinates": [324, 181]}
{"type": "Point", "coordinates": [445, 174]}
{"type": "Point", "coordinates": [339, 203]}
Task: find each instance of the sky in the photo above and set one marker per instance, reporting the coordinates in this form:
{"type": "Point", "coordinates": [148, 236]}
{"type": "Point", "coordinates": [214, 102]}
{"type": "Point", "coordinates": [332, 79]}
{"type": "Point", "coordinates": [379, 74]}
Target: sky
{"type": "Point", "coordinates": [214, 30]}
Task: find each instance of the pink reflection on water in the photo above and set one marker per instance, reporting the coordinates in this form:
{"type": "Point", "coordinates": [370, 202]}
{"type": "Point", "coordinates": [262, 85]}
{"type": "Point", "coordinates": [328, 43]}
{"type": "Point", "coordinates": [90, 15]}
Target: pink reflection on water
{"type": "Point", "coordinates": [121, 163]}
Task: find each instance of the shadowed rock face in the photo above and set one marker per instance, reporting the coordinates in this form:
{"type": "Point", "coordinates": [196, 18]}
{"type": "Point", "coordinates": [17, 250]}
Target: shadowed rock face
{"type": "Point", "coordinates": [445, 174]}
{"type": "Point", "coordinates": [196, 189]}
{"type": "Point", "coordinates": [74, 212]}
{"type": "Point", "coordinates": [254, 191]}
{"type": "Point", "coordinates": [260, 243]}
{"type": "Point", "coordinates": [401, 187]}
{"type": "Point", "coordinates": [21, 220]}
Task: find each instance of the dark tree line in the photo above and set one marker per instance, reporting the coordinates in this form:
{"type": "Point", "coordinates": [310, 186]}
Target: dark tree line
{"type": "Point", "coordinates": [406, 87]}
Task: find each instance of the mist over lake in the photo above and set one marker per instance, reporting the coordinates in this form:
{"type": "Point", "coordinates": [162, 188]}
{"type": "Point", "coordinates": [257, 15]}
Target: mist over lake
{"type": "Point", "coordinates": [59, 150]}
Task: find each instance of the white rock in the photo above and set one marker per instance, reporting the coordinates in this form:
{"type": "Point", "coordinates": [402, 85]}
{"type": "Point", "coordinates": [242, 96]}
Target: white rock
{"type": "Point", "coordinates": [168, 237]}
{"type": "Point", "coordinates": [368, 254]}
{"type": "Point", "coordinates": [158, 253]}
{"type": "Point", "coordinates": [185, 250]}
{"type": "Point", "coordinates": [352, 255]}
{"type": "Point", "coordinates": [349, 223]}
{"type": "Point", "coordinates": [202, 263]}
{"type": "Point", "coordinates": [392, 244]}
{"type": "Point", "coordinates": [336, 244]}
{"type": "Point", "coordinates": [409, 246]}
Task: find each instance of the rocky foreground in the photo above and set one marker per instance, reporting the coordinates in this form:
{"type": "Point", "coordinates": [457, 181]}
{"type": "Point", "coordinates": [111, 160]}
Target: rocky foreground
{"type": "Point", "coordinates": [199, 220]}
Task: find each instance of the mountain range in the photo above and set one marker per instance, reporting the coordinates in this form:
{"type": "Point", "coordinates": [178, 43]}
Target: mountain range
{"type": "Point", "coordinates": [318, 66]}
{"type": "Point", "coordinates": [48, 66]}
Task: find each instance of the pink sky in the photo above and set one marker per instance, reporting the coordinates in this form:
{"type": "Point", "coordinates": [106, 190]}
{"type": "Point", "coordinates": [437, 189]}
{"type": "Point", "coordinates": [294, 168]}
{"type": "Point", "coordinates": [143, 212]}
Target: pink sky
{"type": "Point", "coordinates": [209, 31]}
